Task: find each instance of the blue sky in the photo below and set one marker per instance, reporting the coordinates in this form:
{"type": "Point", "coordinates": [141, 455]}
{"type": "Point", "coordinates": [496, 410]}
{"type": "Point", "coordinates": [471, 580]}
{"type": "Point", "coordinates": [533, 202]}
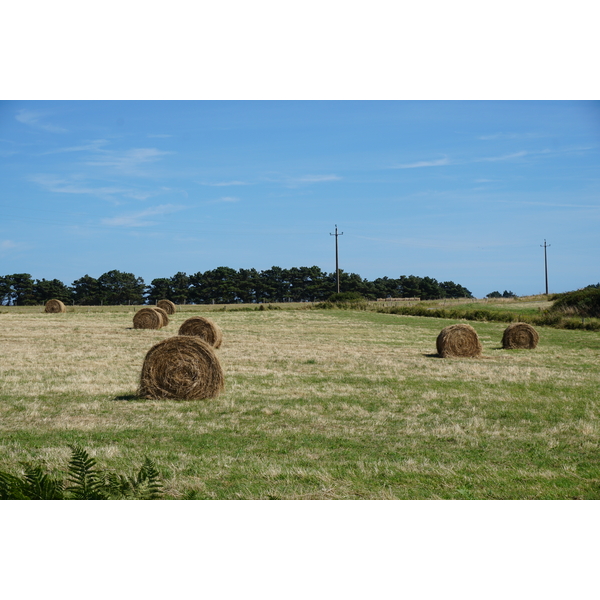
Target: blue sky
{"type": "Point", "coordinates": [456, 190]}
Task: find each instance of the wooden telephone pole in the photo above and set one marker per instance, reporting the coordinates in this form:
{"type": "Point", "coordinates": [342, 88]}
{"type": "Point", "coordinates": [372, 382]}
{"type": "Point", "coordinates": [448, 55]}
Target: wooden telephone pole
{"type": "Point", "coordinates": [337, 265]}
{"type": "Point", "coordinates": [545, 263]}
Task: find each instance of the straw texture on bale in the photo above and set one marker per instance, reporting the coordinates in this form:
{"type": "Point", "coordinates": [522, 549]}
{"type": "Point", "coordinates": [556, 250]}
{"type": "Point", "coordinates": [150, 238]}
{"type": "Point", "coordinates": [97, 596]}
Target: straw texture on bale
{"type": "Point", "coordinates": [55, 306]}
{"type": "Point", "coordinates": [163, 313]}
{"type": "Point", "coordinates": [520, 335]}
{"type": "Point", "coordinates": [167, 305]}
{"type": "Point", "coordinates": [181, 367]}
{"type": "Point", "coordinates": [458, 340]}
{"type": "Point", "coordinates": [203, 328]}
{"type": "Point", "coordinates": [147, 318]}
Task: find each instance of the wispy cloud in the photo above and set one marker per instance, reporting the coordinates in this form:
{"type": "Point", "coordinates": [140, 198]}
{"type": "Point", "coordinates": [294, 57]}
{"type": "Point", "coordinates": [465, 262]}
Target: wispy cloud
{"type": "Point", "coordinates": [302, 180]}
{"type": "Point", "coordinates": [532, 153]}
{"type": "Point", "coordinates": [503, 157]}
{"type": "Point", "coordinates": [139, 219]}
{"type": "Point", "coordinates": [548, 204]}
{"type": "Point", "coordinates": [130, 160]}
{"type": "Point", "coordinates": [8, 246]}
{"type": "Point", "coordinates": [93, 146]}
{"type": "Point", "coordinates": [425, 163]}
{"type": "Point", "coordinates": [139, 195]}
{"type": "Point", "coordinates": [31, 118]}
{"type": "Point", "coordinates": [438, 243]}
{"type": "Point", "coordinates": [224, 199]}
{"type": "Point", "coordinates": [64, 186]}
{"type": "Point", "coordinates": [511, 136]}
{"type": "Point", "coordinates": [316, 178]}
{"type": "Point", "coordinates": [225, 183]}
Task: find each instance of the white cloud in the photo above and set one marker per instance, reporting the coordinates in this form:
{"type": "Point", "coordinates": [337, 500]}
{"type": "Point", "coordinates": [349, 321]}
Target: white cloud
{"type": "Point", "coordinates": [511, 136]}
{"type": "Point", "coordinates": [94, 146]}
{"type": "Point", "coordinates": [445, 244]}
{"type": "Point", "coordinates": [425, 163]}
{"type": "Point", "coordinates": [139, 195]}
{"type": "Point", "coordinates": [8, 246]}
{"type": "Point", "coordinates": [225, 183]}
{"type": "Point", "coordinates": [551, 204]}
{"type": "Point", "coordinates": [227, 199]}
{"type": "Point", "coordinates": [316, 178]}
{"type": "Point", "coordinates": [296, 181]}
{"type": "Point", "coordinates": [503, 157]}
{"type": "Point", "coordinates": [498, 136]}
{"type": "Point", "coordinates": [61, 186]}
{"type": "Point", "coordinates": [129, 160]}
{"type": "Point", "coordinates": [138, 219]}
{"type": "Point", "coordinates": [32, 119]}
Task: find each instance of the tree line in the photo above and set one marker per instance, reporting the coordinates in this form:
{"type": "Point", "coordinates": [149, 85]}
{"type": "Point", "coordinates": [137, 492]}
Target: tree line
{"type": "Point", "coordinates": [222, 285]}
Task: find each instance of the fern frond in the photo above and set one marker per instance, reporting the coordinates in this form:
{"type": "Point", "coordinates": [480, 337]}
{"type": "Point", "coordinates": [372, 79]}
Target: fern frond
{"type": "Point", "coordinates": [118, 485]}
{"type": "Point", "coordinates": [192, 494]}
{"type": "Point", "coordinates": [85, 479]}
{"type": "Point", "coordinates": [84, 482]}
{"type": "Point", "coordinates": [151, 477]}
{"type": "Point", "coordinates": [40, 486]}
{"type": "Point", "coordinates": [12, 487]}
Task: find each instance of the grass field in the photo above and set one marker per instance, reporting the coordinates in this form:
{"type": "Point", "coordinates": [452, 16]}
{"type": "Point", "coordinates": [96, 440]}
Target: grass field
{"type": "Point", "coordinates": [319, 404]}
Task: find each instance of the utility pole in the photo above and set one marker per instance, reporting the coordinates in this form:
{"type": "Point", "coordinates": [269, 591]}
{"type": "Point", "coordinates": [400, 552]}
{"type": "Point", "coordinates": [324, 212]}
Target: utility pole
{"type": "Point", "coordinates": [337, 265]}
{"type": "Point", "coordinates": [546, 263]}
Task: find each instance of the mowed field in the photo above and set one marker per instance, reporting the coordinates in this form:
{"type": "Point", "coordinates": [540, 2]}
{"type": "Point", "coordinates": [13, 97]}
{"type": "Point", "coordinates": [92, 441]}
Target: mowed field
{"type": "Point", "coordinates": [319, 404]}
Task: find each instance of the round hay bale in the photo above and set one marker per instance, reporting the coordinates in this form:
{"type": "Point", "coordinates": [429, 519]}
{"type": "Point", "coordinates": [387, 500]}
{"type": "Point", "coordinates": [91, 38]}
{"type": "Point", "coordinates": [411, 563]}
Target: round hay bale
{"type": "Point", "coordinates": [458, 340]}
{"type": "Point", "coordinates": [167, 305]}
{"type": "Point", "coordinates": [147, 318]}
{"type": "Point", "coordinates": [163, 313]}
{"type": "Point", "coordinates": [203, 328]}
{"type": "Point", "coordinates": [520, 335]}
{"type": "Point", "coordinates": [55, 306]}
{"type": "Point", "coordinates": [183, 367]}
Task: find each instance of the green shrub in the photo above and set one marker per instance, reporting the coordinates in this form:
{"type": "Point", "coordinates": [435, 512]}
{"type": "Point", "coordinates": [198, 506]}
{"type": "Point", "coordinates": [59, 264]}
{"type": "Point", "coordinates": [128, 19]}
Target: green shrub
{"type": "Point", "coordinates": [584, 302]}
{"type": "Point", "coordinates": [345, 297]}
{"type": "Point", "coordinates": [551, 319]}
{"type": "Point", "coordinates": [344, 300]}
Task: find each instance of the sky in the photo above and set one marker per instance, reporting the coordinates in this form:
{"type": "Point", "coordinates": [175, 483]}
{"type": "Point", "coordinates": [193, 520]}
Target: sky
{"type": "Point", "coordinates": [463, 191]}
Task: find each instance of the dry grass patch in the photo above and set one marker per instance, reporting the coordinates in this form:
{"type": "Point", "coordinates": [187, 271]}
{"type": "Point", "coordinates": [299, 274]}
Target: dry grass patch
{"type": "Point", "coordinates": [325, 404]}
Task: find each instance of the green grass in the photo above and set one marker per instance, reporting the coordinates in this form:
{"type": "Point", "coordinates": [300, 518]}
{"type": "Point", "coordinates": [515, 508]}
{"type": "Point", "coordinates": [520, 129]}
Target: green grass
{"type": "Point", "coordinates": [327, 404]}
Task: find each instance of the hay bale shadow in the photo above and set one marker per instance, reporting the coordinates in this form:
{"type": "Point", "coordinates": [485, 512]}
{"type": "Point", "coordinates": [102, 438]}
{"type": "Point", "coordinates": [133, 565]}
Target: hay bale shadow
{"type": "Point", "coordinates": [128, 398]}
